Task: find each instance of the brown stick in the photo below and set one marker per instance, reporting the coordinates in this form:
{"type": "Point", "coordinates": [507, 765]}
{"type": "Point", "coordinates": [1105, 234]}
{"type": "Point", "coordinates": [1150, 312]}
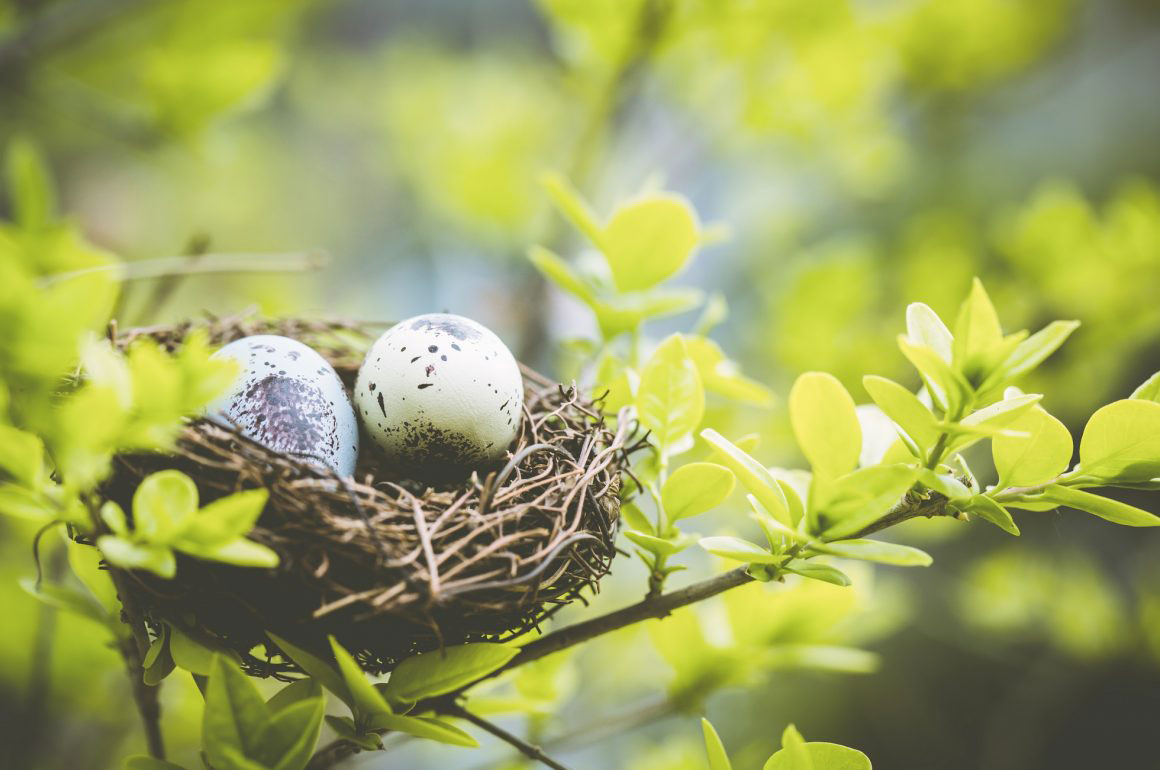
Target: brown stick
{"type": "Point", "coordinates": [525, 748]}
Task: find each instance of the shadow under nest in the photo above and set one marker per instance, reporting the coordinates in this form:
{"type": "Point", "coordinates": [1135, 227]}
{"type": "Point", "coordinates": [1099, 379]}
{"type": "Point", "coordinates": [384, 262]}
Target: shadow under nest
{"type": "Point", "coordinates": [389, 565]}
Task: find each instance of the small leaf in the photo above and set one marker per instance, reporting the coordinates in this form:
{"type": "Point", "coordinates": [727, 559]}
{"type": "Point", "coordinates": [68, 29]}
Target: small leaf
{"type": "Point", "coordinates": [1036, 348]}
{"type": "Point", "coordinates": [1040, 457]}
{"type": "Point", "coordinates": [718, 759]}
{"type": "Point", "coordinates": [120, 552]}
{"type": "Point", "coordinates": [573, 206]}
{"type": "Point", "coordinates": [754, 476]}
{"type": "Point", "coordinates": [367, 700]}
{"type": "Point", "coordinates": [162, 504]}
{"type": "Point", "coordinates": [65, 598]}
{"type": "Point", "coordinates": [1149, 390]}
{"type": "Point", "coordinates": [635, 518]}
{"type": "Point", "coordinates": [823, 657]}
{"type": "Point", "coordinates": [823, 756]}
{"type": "Point", "coordinates": [857, 500]}
{"type": "Point", "coordinates": [227, 518]}
{"type": "Point", "coordinates": [738, 550]}
{"type": "Point", "coordinates": [235, 714]}
{"type": "Point", "coordinates": [240, 552]}
{"type": "Point", "coordinates": [300, 690]}
{"type": "Point", "coordinates": [946, 386]}
{"type": "Point", "coordinates": [816, 571]}
{"type": "Point", "coordinates": [694, 489]}
{"type": "Point", "coordinates": [194, 656]}
{"type": "Point", "coordinates": [665, 546]}
{"type": "Point", "coordinates": [1121, 442]}
{"type": "Point", "coordinates": [722, 376]}
{"type": "Point", "coordinates": [1104, 507]}
{"type": "Point", "coordinates": [114, 518]}
{"type": "Point", "coordinates": [989, 510]}
{"type": "Point", "coordinates": [326, 673]}
{"type": "Point", "coordinates": [158, 662]}
{"type": "Point", "coordinates": [287, 741]}
{"type": "Point", "coordinates": [904, 408]}
{"type": "Point", "coordinates": [440, 672]}
{"type": "Point", "coordinates": [649, 240]}
{"type": "Point", "coordinates": [670, 399]}
{"type": "Point", "coordinates": [1002, 413]}
{"type": "Point", "coordinates": [556, 270]}
{"type": "Point", "coordinates": [876, 551]}
{"type": "Point", "coordinates": [423, 727]}
{"type": "Point", "coordinates": [825, 423]}
{"type": "Point", "coordinates": [794, 748]}
{"type": "Point", "coordinates": [945, 484]}
{"type": "Point", "coordinates": [925, 328]}
{"type": "Point", "coordinates": [977, 327]}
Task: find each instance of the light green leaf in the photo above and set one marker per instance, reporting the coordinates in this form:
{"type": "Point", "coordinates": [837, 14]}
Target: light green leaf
{"type": "Point", "coordinates": [718, 759]}
{"type": "Point", "coordinates": [344, 727]}
{"type": "Point", "coordinates": [1040, 457]}
{"type": "Point", "coordinates": [287, 741]}
{"type": "Point", "coordinates": [794, 747]}
{"type": "Point", "coordinates": [723, 376]}
{"type": "Point", "coordinates": [695, 488]}
{"type": "Point", "coordinates": [620, 382]}
{"type": "Point", "coordinates": [300, 690]}
{"type": "Point", "coordinates": [326, 673]}
{"type": "Point", "coordinates": [944, 483]}
{"type": "Point", "coordinates": [823, 756]}
{"type": "Point", "coordinates": [977, 328]}
{"type": "Point", "coordinates": [240, 552]}
{"type": "Point", "coordinates": [367, 700]}
{"type": "Point", "coordinates": [664, 546]}
{"type": "Point", "coordinates": [989, 510]}
{"type": "Point", "coordinates": [1149, 390]}
{"type": "Point", "coordinates": [818, 571]}
{"type": "Point", "coordinates": [738, 550]}
{"type": "Point", "coordinates": [556, 270]}
{"type": "Point", "coordinates": [649, 240]}
{"type": "Point", "coordinates": [925, 328]}
{"type": "Point", "coordinates": [573, 206]}
{"type": "Point", "coordinates": [439, 672]}
{"type": "Point", "coordinates": [856, 500]}
{"type": "Point", "coordinates": [158, 662]}
{"type": "Point", "coordinates": [226, 519]}
{"type": "Point", "coordinates": [849, 660]}
{"type": "Point", "coordinates": [1122, 442]}
{"type": "Point", "coordinates": [635, 518]}
{"type": "Point", "coordinates": [670, 399]}
{"type": "Point", "coordinates": [1036, 348]}
{"type": "Point", "coordinates": [1002, 413]}
{"type": "Point", "coordinates": [825, 424]}
{"type": "Point", "coordinates": [194, 656]}
{"type": "Point", "coordinates": [904, 408]}
{"type": "Point", "coordinates": [754, 476]}
{"type": "Point", "coordinates": [1104, 507]}
{"type": "Point", "coordinates": [423, 727]}
{"type": "Point", "coordinates": [86, 565]}
{"type": "Point", "coordinates": [162, 505]}
{"type": "Point", "coordinates": [235, 714]}
{"type": "Point", "coordinates": [65, 598]}
{"type": "Point", "coordinates": [120, 552]}
{"type": "Point", "coordinates": [876, 551]}
{"type": "Point", "coordinates": [114, 518]}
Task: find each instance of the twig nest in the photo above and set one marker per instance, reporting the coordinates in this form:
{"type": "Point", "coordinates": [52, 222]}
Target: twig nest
{"type": "Point", "coordinates": [389, 564]}
{"type": "Point", "coordinates": [440, 393]}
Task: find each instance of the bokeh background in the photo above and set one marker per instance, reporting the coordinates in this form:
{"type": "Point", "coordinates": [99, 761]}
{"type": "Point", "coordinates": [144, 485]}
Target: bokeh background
{"type": "Point", "coordinates": [863, 154]}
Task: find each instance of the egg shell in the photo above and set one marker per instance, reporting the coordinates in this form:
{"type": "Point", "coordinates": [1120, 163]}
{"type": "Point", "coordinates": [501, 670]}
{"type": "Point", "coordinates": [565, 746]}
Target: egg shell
{"type": "Point", "coordinates": [440, 391]}
{"type": "Point", "coordinates": [289, 399]}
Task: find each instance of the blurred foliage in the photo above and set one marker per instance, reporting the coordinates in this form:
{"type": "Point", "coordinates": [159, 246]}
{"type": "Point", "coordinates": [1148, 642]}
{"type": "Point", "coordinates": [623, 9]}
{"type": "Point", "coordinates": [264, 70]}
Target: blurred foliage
{"type": "Point", "coordinates": [865, 156]}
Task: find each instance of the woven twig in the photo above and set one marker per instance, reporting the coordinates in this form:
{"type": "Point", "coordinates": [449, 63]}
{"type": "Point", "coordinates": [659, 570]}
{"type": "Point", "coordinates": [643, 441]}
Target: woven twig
{"type": "Point", "coordinates": [388, 565]}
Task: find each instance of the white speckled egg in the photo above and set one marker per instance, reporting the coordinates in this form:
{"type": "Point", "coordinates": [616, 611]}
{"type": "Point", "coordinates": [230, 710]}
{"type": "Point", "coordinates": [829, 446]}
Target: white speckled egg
{"type": "Point", "coordinates": [440, 392]}
{"type": "Point", "coordinates": [289, 399]}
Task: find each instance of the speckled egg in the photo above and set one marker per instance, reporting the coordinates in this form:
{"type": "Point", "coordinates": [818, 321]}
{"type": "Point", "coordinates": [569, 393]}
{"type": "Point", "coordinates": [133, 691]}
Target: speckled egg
{"type": "Point", "coordinates": [289, 399]}
{"type": "Point", "coordinates": [440, 392]}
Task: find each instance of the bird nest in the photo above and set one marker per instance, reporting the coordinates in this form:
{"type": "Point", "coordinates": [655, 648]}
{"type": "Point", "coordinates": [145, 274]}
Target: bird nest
{"type": "Point", "coordinates": [389, 565]}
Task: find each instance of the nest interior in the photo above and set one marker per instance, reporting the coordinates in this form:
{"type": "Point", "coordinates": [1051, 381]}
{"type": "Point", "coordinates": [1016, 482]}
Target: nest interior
{"type": "Point", "coordinates": [390, 566]}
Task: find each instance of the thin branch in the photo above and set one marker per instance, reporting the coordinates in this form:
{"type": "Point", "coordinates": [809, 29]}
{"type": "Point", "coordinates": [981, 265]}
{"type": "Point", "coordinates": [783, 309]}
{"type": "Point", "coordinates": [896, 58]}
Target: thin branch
{"type": "Point", "coordinates": [525, 748]}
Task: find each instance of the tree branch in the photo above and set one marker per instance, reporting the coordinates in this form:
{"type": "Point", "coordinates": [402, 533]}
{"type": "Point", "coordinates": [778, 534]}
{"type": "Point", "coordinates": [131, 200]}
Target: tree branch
{"type": "Point", "coordinates": [525, 748]}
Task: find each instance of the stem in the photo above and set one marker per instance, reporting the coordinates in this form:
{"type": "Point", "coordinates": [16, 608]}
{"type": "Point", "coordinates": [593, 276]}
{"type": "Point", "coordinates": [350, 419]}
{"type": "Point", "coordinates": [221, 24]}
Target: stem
{"type": "Point", "coordinates": [525, 748]}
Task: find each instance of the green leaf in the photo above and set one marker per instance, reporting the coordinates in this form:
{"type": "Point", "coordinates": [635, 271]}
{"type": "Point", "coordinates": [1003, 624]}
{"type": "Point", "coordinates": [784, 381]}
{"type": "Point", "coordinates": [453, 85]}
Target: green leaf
{"type": "Point", "coordinates": [65, 598]}
{"type": "Point", "coordinates": [723, 376]}
{"type": "Point", "coordinates": [1104, 507]}
{"type": "Point", "coordinates": [858, 499]}
{"type": "Point", "coordinates": [816, 571]}
{"type": "Point", "coordinates": [226, 519]}
{"type": "Point", "coordinates": [925, 328]}
{"type": "Point", "coordinates": [904, 408]}
{"type": "Point", "coordinates": [194, 656]}
{"type": "Point", "coordinates": [158, 662]}
{"type": "Point", "coordinates": [22, 457]}
{"type": "Point", "coordinates": [142, 762]}
{"type": "Point", "coordinates": [944, 483]}
{"type": "Point", "coordinates": [326, 673]}
{"type": "Point", "coordinates": [823, 657]}
{"type": "Point", "coordinates": [1122, 442]}
{"type": "Point", "coordinates": [556, 270]}
{"type": "Point", "coordinates": [665, 546]}
{"type": "Point", "coordinates": [423, 727]}
{"type": "Point", "coordinates": [754, 476]}
{"type": "Point", "coordinates": [120, 552]}
{"type": "Point", "coordinates": [946, 386]}
{"type": "Point", "coordinates": [823, 756]}
{"type": "Point", "coordinates": [240, 552]}
{"type": "Point", "coordinates": [649, 240]}
{"type": "Point", "coordinates": [114, 518]}
{"type": "Point", "coordinates": [366, 699]}
{"type": "Point", "coordinates": [344, 727]}
{"type": "Point", "coordinates": [235, 714]}
{"type": "Point", "coordinates": [287, 741]}
{"type": "Point", "coordinates": [572, 205]}
{"type": "Point", "coordinates": [1036, 348]}
{"type": "Point", "coordinates": [794, 747]}
{"type": "Point", "coordinates": [670, 399]}
{"type": "Point", "coordinates": [162, 504]}
{"type": "Point", "coordinates": [439, 672]}
{"type": "Point", "coordinates": [1040, 457]}
{"type": "Point", "coordinates": [718, 759]}
{"type": "Point", "coordinates": [1002, 413]}
{"type": "Point", "coordinates": [825, 424]}
{"type": "Point", "coordinates": [977, 328]}
{"type": "Point", "coordinates": [86, 565]}
{"type": "Point", "coordinates": [635, 518]}
{"type": "Point", "coordinates": [30, 186]}
{"type": "Point", "coordinates": [300, 690]}
{"type": "Point", "coordinates": [738, 550]}
{"type": "Point", "coordinates": [1149, 390]}
{"type": "Point", "coordinates": [695, 488]}
{"type": "Point", "coordinates": [989, 510]}
{"type": "Point", "coordinates": [876, 551]}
